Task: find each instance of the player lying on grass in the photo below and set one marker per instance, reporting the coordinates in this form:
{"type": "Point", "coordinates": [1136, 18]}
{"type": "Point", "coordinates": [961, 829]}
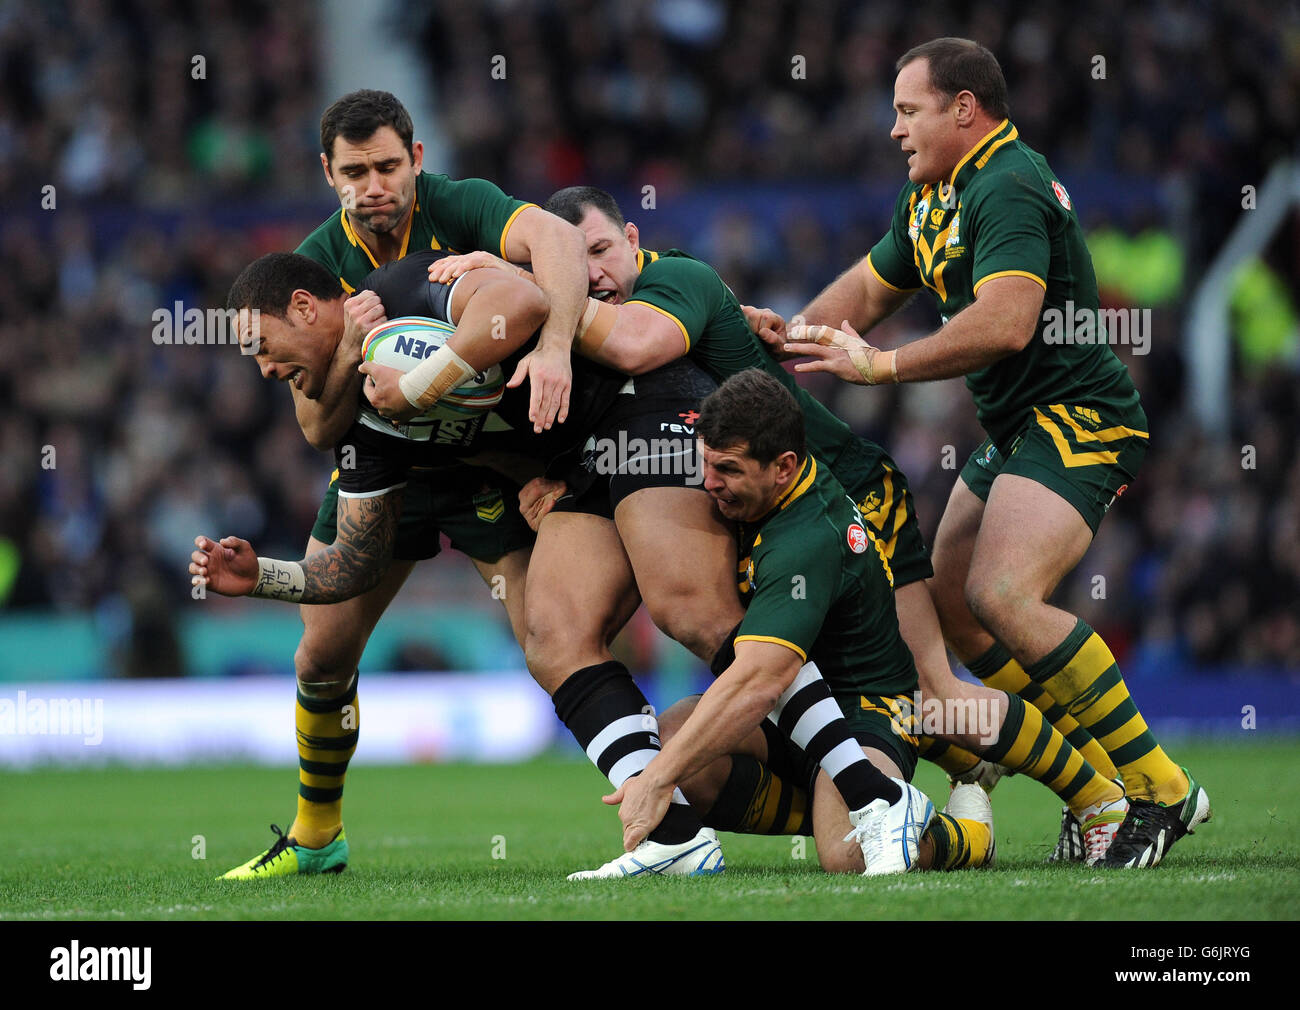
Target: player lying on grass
{"type": "Point", "coordinates": [391, 207]}
{"type": "Point", "coordinates": [817, 590]}
{"type": "Point", "coordinates": [658, 308]}
{"type": "Point", "coordinates": [1066, 429]}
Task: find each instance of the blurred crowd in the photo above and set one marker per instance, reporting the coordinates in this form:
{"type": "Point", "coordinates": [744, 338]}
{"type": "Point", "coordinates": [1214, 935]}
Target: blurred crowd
{"type": "Point", "coordinates": [115, 451]}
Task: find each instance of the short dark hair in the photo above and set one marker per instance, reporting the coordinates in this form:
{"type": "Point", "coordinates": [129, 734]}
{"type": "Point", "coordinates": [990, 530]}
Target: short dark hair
{"type": "Point", "coordinates": [269, 282]}
{"type": "Point", "coordinates": [754, 409]}
{"type": "Point", "coordinates": [358, 114]}
{"type": "Point", "coordinates": [573, 203]}
{"type": "Point", "coordinates": [958, 65]}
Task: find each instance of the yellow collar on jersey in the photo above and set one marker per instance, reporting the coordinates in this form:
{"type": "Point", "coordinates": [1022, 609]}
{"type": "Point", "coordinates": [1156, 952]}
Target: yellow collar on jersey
{"type": "Point", "coordinates": [981, 152]}
{"type": "Point", "coordinates": [796, 487]}
{"type": "Point", "coordinates": [641, 255]}
{"type": "Point", "coordinates": [352, 235]}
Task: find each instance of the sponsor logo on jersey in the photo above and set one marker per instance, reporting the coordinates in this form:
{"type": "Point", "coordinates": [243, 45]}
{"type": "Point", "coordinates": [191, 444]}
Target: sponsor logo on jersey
{"type": "Point", "coordinates": [1061, 194]}
{"type": "Point", "coordinates": [857, 539]}
{"type": "Point", "coordinates": [936, 217]}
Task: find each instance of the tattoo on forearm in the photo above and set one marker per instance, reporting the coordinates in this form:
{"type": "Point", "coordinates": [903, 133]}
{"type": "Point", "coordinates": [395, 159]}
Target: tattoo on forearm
{"type": "Point", "coordinates": [361, 552]}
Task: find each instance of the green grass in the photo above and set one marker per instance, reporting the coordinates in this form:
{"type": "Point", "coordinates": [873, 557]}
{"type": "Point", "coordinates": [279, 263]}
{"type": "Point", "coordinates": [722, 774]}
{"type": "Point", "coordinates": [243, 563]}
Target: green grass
{"type": "Point", "coordinates": [118, 844]}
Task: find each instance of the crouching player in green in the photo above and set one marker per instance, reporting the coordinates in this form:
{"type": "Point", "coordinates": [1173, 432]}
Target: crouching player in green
{"type": "Point", "coordinates": [817, 591]}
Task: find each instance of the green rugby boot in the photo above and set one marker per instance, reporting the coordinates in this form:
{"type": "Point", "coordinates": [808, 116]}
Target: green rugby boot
{"type": "Point", "coordinates": [286, 858]}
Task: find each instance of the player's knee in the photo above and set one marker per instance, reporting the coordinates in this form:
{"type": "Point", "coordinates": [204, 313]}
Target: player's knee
{"type": "Point", "coordinates": [993, 598]}
{"type": "Point", "coordinates": [693, 618]}
{"type": "Point", "coordinates": [321, 674]}
{"type": "Point", "coordinates": [552, 650]}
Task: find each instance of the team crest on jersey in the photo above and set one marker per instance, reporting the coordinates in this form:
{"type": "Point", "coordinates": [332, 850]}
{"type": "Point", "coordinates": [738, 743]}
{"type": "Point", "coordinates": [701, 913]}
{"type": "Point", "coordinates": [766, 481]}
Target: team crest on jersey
{"type": "Point", "coordinates": [1061, 194]}
{"type": "Point", "coordinates": [918, 219]}
{"type": "Point", "coordinates": [857, 539]}
{"type": "Point", "coordinates": [488, 504]}
{"type": "Point", "coordinates": [954, 229]}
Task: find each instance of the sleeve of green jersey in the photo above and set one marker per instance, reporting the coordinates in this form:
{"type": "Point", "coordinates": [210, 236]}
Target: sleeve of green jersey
{"type": "Point", "coordinates": [1008, 227]}
{"type": "Point", "coordinates": [794, 585]}
{"type": "Point", "coordinates": [474, 214]}
{"type": "Point", "coordinates": [891, 259]}
{"type": "Point", "coordinates": [687, 291]}
{"type": "Point", "coordinates": [313, 247]}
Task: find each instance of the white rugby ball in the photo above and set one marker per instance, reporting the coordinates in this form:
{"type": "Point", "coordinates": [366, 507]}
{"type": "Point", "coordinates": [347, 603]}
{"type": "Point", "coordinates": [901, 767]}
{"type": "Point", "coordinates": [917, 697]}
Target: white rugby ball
{"type": "Point", "coordinates": [404, 342]}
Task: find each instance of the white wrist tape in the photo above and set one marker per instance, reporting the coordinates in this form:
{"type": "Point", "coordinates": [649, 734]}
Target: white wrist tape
{"type": "Point", "coordinates": [430, 380]}
{"type": "Point", "coordinates": [279, 580]}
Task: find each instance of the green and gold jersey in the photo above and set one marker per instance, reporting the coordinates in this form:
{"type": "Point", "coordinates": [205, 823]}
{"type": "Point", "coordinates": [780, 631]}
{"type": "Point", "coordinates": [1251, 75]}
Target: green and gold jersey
{"type": "Point", "coordinates": [717, 338]}
{"type": "Point", "coordinates": [452, 215]}
{"type": "Point", "coordinates": [1003, 213]}
{"type": "Point", "coordinates": [814, 578]}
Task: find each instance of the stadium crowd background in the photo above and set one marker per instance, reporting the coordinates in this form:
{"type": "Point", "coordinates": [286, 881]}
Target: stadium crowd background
{"type": "Point", "coordinates": [167, 185]}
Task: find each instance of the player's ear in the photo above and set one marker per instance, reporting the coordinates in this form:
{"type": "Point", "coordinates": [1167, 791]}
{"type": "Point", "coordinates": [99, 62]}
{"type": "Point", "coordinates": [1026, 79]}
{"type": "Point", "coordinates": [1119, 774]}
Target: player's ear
{"type": "Point", "coordinates": [633, 236]}
{"type": "Point", "coordinates": [417, 156]}
{"type": "Point", "coordinates": [964, 107]}
{"type": "Point", "coordinates": [325, 165]}
{"type": "Point", "coordinates": [302, 306]}
{"type": "Point", "coordinates": [787, 465]}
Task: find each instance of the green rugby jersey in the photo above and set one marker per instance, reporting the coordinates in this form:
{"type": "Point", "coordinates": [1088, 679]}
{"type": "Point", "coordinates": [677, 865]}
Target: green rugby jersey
{"type": "Point", "coordinates": [717, 338]}
{"type": "Point", "coordinates": [1001, 213]}
{"type": "Point", "coordinates": [452, 215]}
{"type": "Point", "coordinates": [812, 577]}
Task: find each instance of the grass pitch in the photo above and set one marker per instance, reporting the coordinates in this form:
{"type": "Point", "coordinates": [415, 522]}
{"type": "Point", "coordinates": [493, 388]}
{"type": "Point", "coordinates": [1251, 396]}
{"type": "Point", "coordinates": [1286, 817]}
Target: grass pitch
{"type": "Point", "coordinates": [493, 843]}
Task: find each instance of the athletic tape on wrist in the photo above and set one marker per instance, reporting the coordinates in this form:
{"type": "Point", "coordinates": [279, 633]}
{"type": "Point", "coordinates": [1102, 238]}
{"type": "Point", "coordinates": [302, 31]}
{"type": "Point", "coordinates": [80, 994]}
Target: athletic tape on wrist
{"type": "Point", "coordinates": [279, 580]}
{"type": "Point", "coordinates": [430, 380]}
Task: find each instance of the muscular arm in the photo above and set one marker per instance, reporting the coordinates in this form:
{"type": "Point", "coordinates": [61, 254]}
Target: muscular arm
{"type": "Point", "coordinates": [1000, 322]}
{"type": "Point", "coordinates": [857, 295]}
{"type": "Point", "coordinates": [495, 313]}
{"type": "Point", "coordinates": [353, 564]}
{"type": "Point", "coordinates": [558, 253]}
{"type": "Point", "coordinates": [639, 339]}
{"type": "Point", "coordinates": [360, 554]}
{"type": "Point", "coordinates": [732, 708]}
{"type": "Point", "coordinates": [324, 420]}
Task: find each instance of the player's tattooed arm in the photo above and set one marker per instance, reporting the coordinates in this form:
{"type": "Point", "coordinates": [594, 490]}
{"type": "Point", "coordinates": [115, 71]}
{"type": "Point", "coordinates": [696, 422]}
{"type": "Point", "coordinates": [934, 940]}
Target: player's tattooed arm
{"type": "Point", "coordinates": [354, 563]}
{"type": "Point", "coordinates": [360, 554]}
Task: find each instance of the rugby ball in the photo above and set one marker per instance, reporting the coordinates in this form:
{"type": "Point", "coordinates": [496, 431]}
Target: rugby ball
{"type": "Point", "coordinates": [404, 342]}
